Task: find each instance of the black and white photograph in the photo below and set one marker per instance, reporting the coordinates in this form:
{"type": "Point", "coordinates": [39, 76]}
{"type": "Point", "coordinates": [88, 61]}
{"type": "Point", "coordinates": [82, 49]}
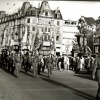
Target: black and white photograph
{"type": "Point", "coordinates": [49, 50]}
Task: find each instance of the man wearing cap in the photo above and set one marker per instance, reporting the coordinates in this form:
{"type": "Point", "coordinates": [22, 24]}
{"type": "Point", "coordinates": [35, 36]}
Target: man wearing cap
{"type": "Point", "coordinates": [41, 63]}
{"type": "Point", "coordinates": [49, 64]}
{"type": "Point", "coordinates": [35, 61]}
{"type": "Point", "coordinates": [29, 62]}
{"type": "Point", "coordinates": [17, 62]}
{"type": "Point", "coordinates": [96, 70]}
{"type": "Point", "coordinates": [26, 62]}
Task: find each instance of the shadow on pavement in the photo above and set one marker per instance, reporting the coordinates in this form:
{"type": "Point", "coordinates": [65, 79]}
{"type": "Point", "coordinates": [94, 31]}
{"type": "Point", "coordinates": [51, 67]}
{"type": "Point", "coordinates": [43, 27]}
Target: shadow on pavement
{"type": "Point", "coordinates": [84, 96]}
{"type": "Point", "coordinates": [84, 76]}
{"type": "Point", "coordinates": [78, 92]}
{"type": "Point", "coordinates": [25, 74]}
{"type": "Point", "coordinates": [84, 72]}
{"type": "Point", "coordinates": [29, 74]}
{"type": "Point", "coordinates": [43, 75]}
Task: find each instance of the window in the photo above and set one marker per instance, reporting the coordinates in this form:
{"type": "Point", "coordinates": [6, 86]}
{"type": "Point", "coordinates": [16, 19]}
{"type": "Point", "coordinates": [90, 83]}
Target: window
{"type": "Point", "coordinates": [10, 30]}
{"type": "Point", "coordinates": [34, 21]}
{"type": "Point", "coordinates": [28, 28]}
{"type": "Point", "coordinates": [49, 22]}
{"type": "Point", "coordinates": [46, 13]}
{"type": "Point", "coordinates": [58, 23]}
{"type": "Point", "coordinates": [41, 21]}
{"type": "Point", "coordinates": [42, 29]}
{"type": "Point", "coordinates": [48, 37]}
{"type": "Point", "coordinates": [46, 22]}
{"type": "Point", "coordinates": [33, 28]}
{"type": "Point", "coordinates": [58, 30]}
{"type": "Point", "coordinates": [28, 20]}
{"type": "Point", "coordinates": [45, 29]}
{"type": "Point", "coordinates": [45, 37]}
{"type": "Point", "coordinates": [58, 15]}
{"type": "Point", "coordinates": [48, 29]}
{"type": "Point", "coordinates": [58, 47]}
{"type": "Point", "coordinates": [57, 38]}
{"type": "Point", "coordinates": [58, 53]}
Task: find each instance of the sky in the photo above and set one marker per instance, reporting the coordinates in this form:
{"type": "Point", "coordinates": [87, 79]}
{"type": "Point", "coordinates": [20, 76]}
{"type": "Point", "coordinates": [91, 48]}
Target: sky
{"type": "Point", "coordinates": [72, 10]}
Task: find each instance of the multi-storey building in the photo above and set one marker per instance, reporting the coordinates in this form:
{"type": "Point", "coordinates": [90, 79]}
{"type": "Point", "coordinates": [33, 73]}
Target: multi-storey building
{"type": "Point", "coordinates": [69, 31]}
{"type": "Point", "coordinates": [23, 26]}
{"type": "Point", "coordinates": [85, 38]}
{"type": "Point", "coordinates": [97, 36]}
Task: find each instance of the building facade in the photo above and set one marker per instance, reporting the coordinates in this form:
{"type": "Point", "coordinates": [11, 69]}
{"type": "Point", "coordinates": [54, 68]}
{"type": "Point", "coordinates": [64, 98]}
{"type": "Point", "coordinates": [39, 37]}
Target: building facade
{"type": "Point", "coordinates": [97, 36]}
{"type": "Point", "coordinates": [69, 31]}
{"type": "Point", "coordinates": [85, 38]}
{"type": "Point", "coordinates": [22, 27]}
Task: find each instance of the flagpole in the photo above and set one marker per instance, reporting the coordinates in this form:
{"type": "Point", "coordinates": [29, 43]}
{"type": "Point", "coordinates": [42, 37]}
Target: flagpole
{"type": "Point", "coordinates": [33, 46]}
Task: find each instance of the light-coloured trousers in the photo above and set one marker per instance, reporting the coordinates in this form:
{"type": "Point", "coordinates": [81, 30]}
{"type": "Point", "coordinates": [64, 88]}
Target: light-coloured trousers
{"type": "Point", "coordinates": [50, 68]}
{"type": "Point", "coordinates": [66, 66]}
{"type": "Point", "coordinates": [59, 64]}
{"type": "Point", "coordinates": [17, 68]}
{"type": "Point", "coordinates": [35, 70]}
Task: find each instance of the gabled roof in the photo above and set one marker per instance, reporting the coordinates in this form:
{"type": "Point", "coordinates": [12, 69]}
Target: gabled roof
{"type": "Point", "coordinates": [32, 10]}
{"type": "Point", "coordinates": [57, 12]}
{"type": "Point", "coordinates": [54, 13]}
{"type": "Point", "coordinates": [25, 6]}
{"type": "Point", "coordinates": [42, 4]}
{"type": "Point", "coordinates": [89, 20]}
{"type": "Point", "coordinates": [27, 9]}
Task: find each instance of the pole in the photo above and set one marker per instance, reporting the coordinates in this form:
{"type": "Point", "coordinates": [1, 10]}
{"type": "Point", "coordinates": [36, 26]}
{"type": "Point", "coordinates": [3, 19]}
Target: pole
{"type": "Point", "coordinates": [93, 39]}
{"type": "Point", "coordinates": [20, 37]}
{"type": "Point", "coordinates": [33, 47]}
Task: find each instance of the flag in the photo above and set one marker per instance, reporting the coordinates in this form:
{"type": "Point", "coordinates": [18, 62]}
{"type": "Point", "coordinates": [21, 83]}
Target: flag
{"type": "Point", "coordinates": [36, 42]}
{"type": "Point", "coordinates": [11, 42]}
{"type": "Point", "coordinates": [88, 49]}
{"type": "Point", "coordinates": [24, 40]}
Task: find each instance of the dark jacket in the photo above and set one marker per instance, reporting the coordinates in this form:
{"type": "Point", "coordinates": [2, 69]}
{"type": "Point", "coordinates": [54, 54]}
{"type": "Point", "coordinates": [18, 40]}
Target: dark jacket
{"type": "Point", "coordinates": [96, 68]}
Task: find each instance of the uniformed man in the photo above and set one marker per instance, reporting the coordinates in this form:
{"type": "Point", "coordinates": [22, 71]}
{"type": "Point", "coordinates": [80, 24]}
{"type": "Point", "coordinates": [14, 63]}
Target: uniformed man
{"type": "Point", "coordinates": [41, 63]}
{"type": "Point", "coordinates": [49, 64]}
{"type": "Point", "coordinates": [9, 63]}
{"type": "Point", "coordinates": [43, 67]}
{"type": "Point", "coordinates": [96, 70]}
{"type": "Point", "coordinates": [0, 60]}
{"type": "Point", "coordinates": [26, 62]}
{"type": "Point", "coordinates": [29, 62]}
{"type": "Point", "coordinates": [4, 60]}
{"type": "Point", "coordinates": [35, 62]}
{"type": "Point", "coordinates": [12, 64]}
{"type": "Point", "coordinates": [17, 62]}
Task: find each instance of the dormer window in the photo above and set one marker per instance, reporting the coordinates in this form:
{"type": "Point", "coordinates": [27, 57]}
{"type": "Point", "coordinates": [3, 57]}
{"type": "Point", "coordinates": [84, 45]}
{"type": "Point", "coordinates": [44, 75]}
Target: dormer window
{"type": "Point", "coordinates": [58, 15]}
{"type": "Point", "coordinates": [46, 13]}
